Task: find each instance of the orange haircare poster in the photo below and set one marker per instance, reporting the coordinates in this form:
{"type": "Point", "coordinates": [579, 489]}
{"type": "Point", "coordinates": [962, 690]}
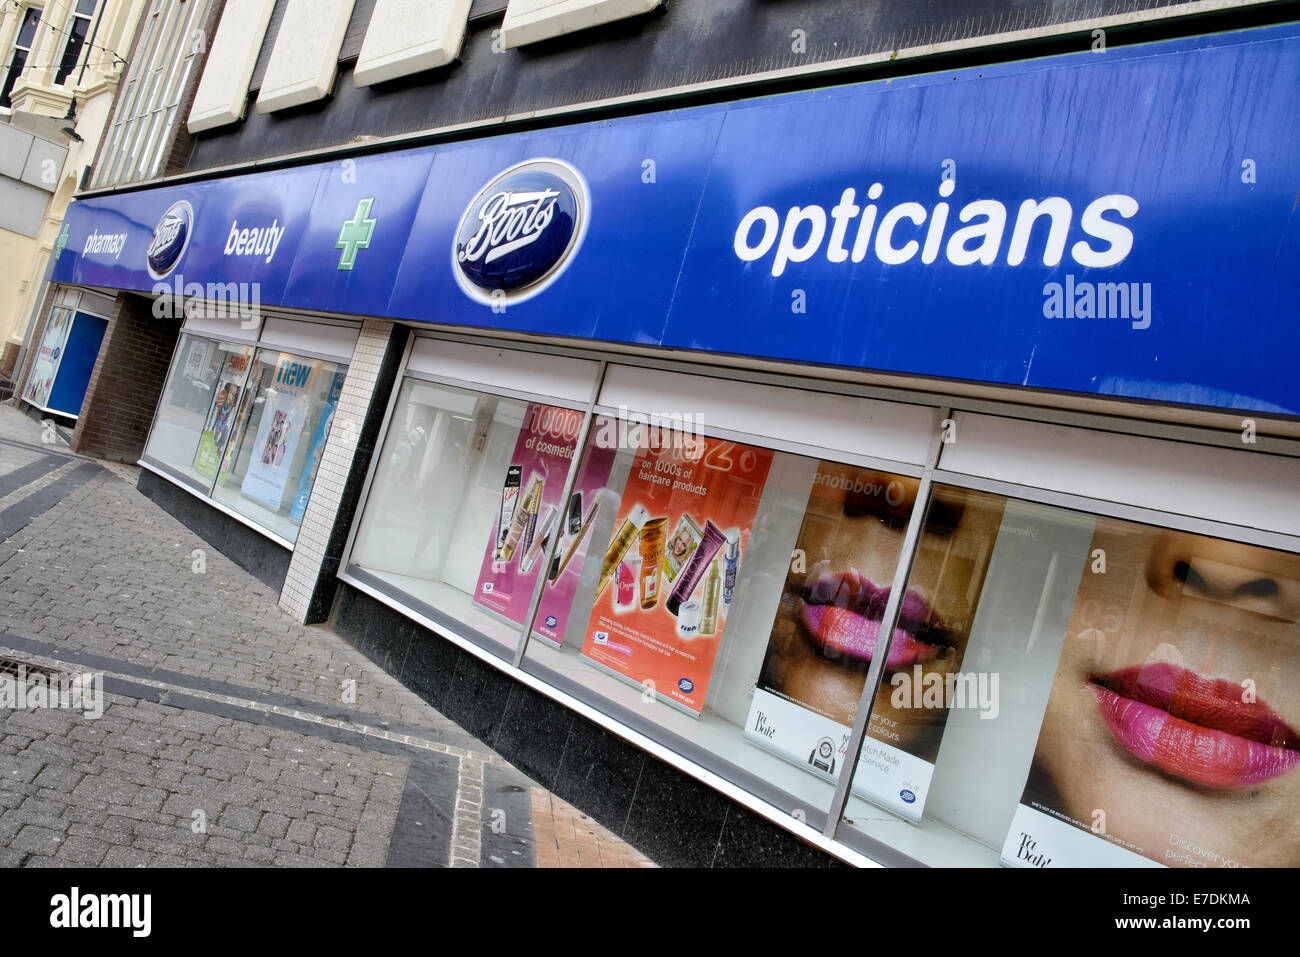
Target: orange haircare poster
{"type": "Point", "coordinates": [670, 568]}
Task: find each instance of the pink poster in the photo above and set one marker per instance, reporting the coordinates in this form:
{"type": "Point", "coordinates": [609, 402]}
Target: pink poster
{"type": "Point", "coordinates": [531, 516]}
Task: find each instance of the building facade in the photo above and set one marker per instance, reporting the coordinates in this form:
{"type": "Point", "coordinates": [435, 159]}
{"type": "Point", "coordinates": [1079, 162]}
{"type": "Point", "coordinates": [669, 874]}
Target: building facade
{"type": "Point", "coordinates": [792, 435]}
{"type": "Point", "coordinates": [60, 77]}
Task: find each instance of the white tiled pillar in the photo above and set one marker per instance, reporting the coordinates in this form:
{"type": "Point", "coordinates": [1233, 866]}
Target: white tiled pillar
{"type": "Point", "coordinates": [310, 553]}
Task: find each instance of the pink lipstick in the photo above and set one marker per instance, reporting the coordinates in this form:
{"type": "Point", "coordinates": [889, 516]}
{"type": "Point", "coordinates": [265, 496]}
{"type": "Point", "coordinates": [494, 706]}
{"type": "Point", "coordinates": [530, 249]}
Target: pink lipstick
{"type": "Point", "coordinates": [842, 613]}
{"type": "Point", "coordinates": [1195, 728]}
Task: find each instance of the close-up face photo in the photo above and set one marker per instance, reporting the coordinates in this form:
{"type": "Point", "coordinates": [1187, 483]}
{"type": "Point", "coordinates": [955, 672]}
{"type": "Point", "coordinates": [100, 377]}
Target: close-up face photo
{"type": "Point", "coordinates": [1173, 716]}
{"type": "Point", "coordinates": [827, 627]}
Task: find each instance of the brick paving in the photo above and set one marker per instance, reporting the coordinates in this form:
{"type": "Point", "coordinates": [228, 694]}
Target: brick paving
{"type": "Point", "coordinates": [230, 734]}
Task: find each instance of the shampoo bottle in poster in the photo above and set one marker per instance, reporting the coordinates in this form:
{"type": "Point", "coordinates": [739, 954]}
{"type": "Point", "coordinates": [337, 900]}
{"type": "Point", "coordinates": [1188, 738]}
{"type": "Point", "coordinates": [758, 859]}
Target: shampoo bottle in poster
{"type": "Point", "coordinates": [522, 518]}
{"type": "Point", "coordinates": [619, 545]}
{"type": "Point", "coordinates": [710, 541]}
{"type": "Point", "coordinates": [509, 499]}
{"type": "Point", "coordinates": [712, 599]}
{"type": "Point", "coordinates": [652, 556]}
{"type": "Point", "coordinates": [731, 562]}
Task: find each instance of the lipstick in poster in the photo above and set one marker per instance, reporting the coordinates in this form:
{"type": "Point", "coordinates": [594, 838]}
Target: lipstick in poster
{"type": "Point", "coordinates": [558, 567]}
{"type": "Point", "coordinates": [731, 567]}
{"type": "Point", "coordinates": [710, 541]}
{"type": "Point", "coordinates": [523, 517]}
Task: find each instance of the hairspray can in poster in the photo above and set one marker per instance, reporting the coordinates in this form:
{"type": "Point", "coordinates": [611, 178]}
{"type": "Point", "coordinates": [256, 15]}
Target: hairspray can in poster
{"type": "Point", "coordinates": [731, 563]}
{"type": "Point", "coordinates": [710, 541]}
{"type": "Point", "coordinates": [509, 499]}
{"type": "Point", "coordinates": [712, 598]}
{"type": "Point", "coordinates": [620, 543]}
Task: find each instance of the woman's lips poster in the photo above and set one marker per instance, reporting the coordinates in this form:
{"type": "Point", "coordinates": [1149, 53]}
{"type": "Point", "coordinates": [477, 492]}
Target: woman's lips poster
{"type": "Point", "coordinates": [666, 638]}
{"type": "Point", "coordinates": [827, 630]}
{"type": "Point", "coordinates": [542, 454]}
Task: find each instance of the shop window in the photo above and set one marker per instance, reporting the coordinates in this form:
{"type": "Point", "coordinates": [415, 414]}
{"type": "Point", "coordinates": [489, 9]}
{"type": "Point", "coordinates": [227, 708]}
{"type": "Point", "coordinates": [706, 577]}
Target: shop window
{"type": "Point", "coordinates": [465, 498]}
{"type": "Point", "coordinates": [22, 49]}
{"type": "Point", "coordinates": [1116, 694]}
{"type": "Point", "coordinates": [277, 439]}
{"type": "Point", "coordinates": [724, 597]}
{"type": "Point", "coordinates": [197, 412]}
{"type": "Point", "coordinates": [245, 423]}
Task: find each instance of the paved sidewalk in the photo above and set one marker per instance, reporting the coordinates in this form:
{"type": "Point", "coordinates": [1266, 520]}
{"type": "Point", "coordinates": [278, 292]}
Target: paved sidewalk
{"type": "Point", "coordinates": [230, 735]}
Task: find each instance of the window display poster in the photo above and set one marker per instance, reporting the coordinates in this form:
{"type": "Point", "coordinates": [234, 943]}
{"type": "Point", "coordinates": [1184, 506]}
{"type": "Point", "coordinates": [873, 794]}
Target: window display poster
{"type": "Point", "coordinates": [220, 417]}
{"type": "Point", "coordinates": [278, 432]}
{"type": "Point", "coordinates": [531, 516]}
{"type": "Point", "coordinates": [670, 568]}
{"type": "Point", "coordinates": [1169, 735]}
{"type": "Point", "coordinates": [46, 366]}
{"type": "Point", "coordinates": [317, 447]}
{"type": "Point", "coordinates": [825, 635]}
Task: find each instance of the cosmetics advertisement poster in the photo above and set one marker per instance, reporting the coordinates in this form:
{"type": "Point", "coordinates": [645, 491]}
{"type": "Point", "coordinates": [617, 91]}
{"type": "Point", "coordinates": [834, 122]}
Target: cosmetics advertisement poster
{"type": "Point", "coordinates": [531, 516]}
{"type": "Point", "coordinates": [220, 417]}
{"type": "Point", "coordinates": [825, 632]}
{"type": "Point", "coordinates": [670, 568]}
{"type": "Point", "coordinates": [1169, 730]}
{"type": "Point", "coordinates": [278, 434]}
{"type": "Point", "coordinates": [317, 447]}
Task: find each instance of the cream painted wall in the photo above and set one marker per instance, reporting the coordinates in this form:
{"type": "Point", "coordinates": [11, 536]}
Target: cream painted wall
{"type": "Point", "coordinates": [26, 258]}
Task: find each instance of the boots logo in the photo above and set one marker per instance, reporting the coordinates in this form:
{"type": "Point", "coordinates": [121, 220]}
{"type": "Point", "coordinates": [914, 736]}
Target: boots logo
{"type": "Point", "coordinates": [170, 237]}
{"type": "Point", "coordinates": [520, 232]}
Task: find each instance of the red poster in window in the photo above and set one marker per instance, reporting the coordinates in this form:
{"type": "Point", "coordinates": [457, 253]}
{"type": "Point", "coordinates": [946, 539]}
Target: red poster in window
{"type": "Point", "coordinates": [670, 568]}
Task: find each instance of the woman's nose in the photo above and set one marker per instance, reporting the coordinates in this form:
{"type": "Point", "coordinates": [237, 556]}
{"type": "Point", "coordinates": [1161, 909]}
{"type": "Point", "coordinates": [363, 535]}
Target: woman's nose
{"type": "Point", "coordinates": [1190, 573]}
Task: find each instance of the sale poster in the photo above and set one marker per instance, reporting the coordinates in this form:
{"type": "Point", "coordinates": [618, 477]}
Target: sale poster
{"type": "Point", "coordinates": [278, 434]}
{"type": "Point", "coordinates": [46, 366]}
{"type": "Point", "coordinates": [532, 516]}
{"type": "Point", "coordinates": [669, 570]}
{"type": "Point", "coordinates": [317, 447]}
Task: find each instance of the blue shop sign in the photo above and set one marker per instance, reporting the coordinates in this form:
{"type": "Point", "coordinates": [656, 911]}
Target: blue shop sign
{"type": "Point", "coordinates": [1117, 223]}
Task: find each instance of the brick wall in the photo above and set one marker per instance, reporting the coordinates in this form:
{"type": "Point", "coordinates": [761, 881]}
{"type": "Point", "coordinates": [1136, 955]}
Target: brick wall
{"type": "Point", "coordinates": [127, 381]}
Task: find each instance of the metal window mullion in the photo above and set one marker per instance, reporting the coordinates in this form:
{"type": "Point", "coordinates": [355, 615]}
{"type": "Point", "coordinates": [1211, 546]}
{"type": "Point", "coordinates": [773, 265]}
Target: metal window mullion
{"type": "Point", "coordinates": [570, 480]}
{"type": "Point", "coordinates": [888, 624]}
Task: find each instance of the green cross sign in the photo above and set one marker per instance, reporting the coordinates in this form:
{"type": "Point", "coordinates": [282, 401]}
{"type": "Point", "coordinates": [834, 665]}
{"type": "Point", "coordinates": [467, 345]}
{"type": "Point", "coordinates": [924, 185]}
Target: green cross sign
{"type": "Point", "coordinates": [355, 234]}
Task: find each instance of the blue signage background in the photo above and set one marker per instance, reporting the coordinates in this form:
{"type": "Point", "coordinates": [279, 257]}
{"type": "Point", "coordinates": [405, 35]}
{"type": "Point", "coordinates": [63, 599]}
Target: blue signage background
{"type": "Point", "coordinates": [1215, 251]}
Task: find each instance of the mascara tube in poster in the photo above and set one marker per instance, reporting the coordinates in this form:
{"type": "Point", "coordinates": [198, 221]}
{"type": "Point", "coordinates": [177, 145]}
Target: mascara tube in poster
{"type": "Point", "coordinates": [524, 516]}
{"type": "Point", "coordinates": [731, 566]}
{"type": "Point", "coordinates": [620, 544]}
{"type": "Point", "coordinates": [543, 538]}
{"type": "Point", "coordinates": [509, 499]}
{"type": "Point", "coordinates": [710, 541]}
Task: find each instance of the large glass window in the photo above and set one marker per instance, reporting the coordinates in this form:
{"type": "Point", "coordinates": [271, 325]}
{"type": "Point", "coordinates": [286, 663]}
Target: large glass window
{"type": "Point", "coordinates": [197, 410]}
{"type": "Point", "coordinates": [246, 426]}
{"type": "Point", "coordinates": [277, 439]}
{"type": "Point", "coordinates": [724, 597]}
{"type": "Point", "coordinates": [18, 57]}
{"type": "Point", "coordinates": [1125, 696]}
{"type": "Point", "coordinates": [466, 496]}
